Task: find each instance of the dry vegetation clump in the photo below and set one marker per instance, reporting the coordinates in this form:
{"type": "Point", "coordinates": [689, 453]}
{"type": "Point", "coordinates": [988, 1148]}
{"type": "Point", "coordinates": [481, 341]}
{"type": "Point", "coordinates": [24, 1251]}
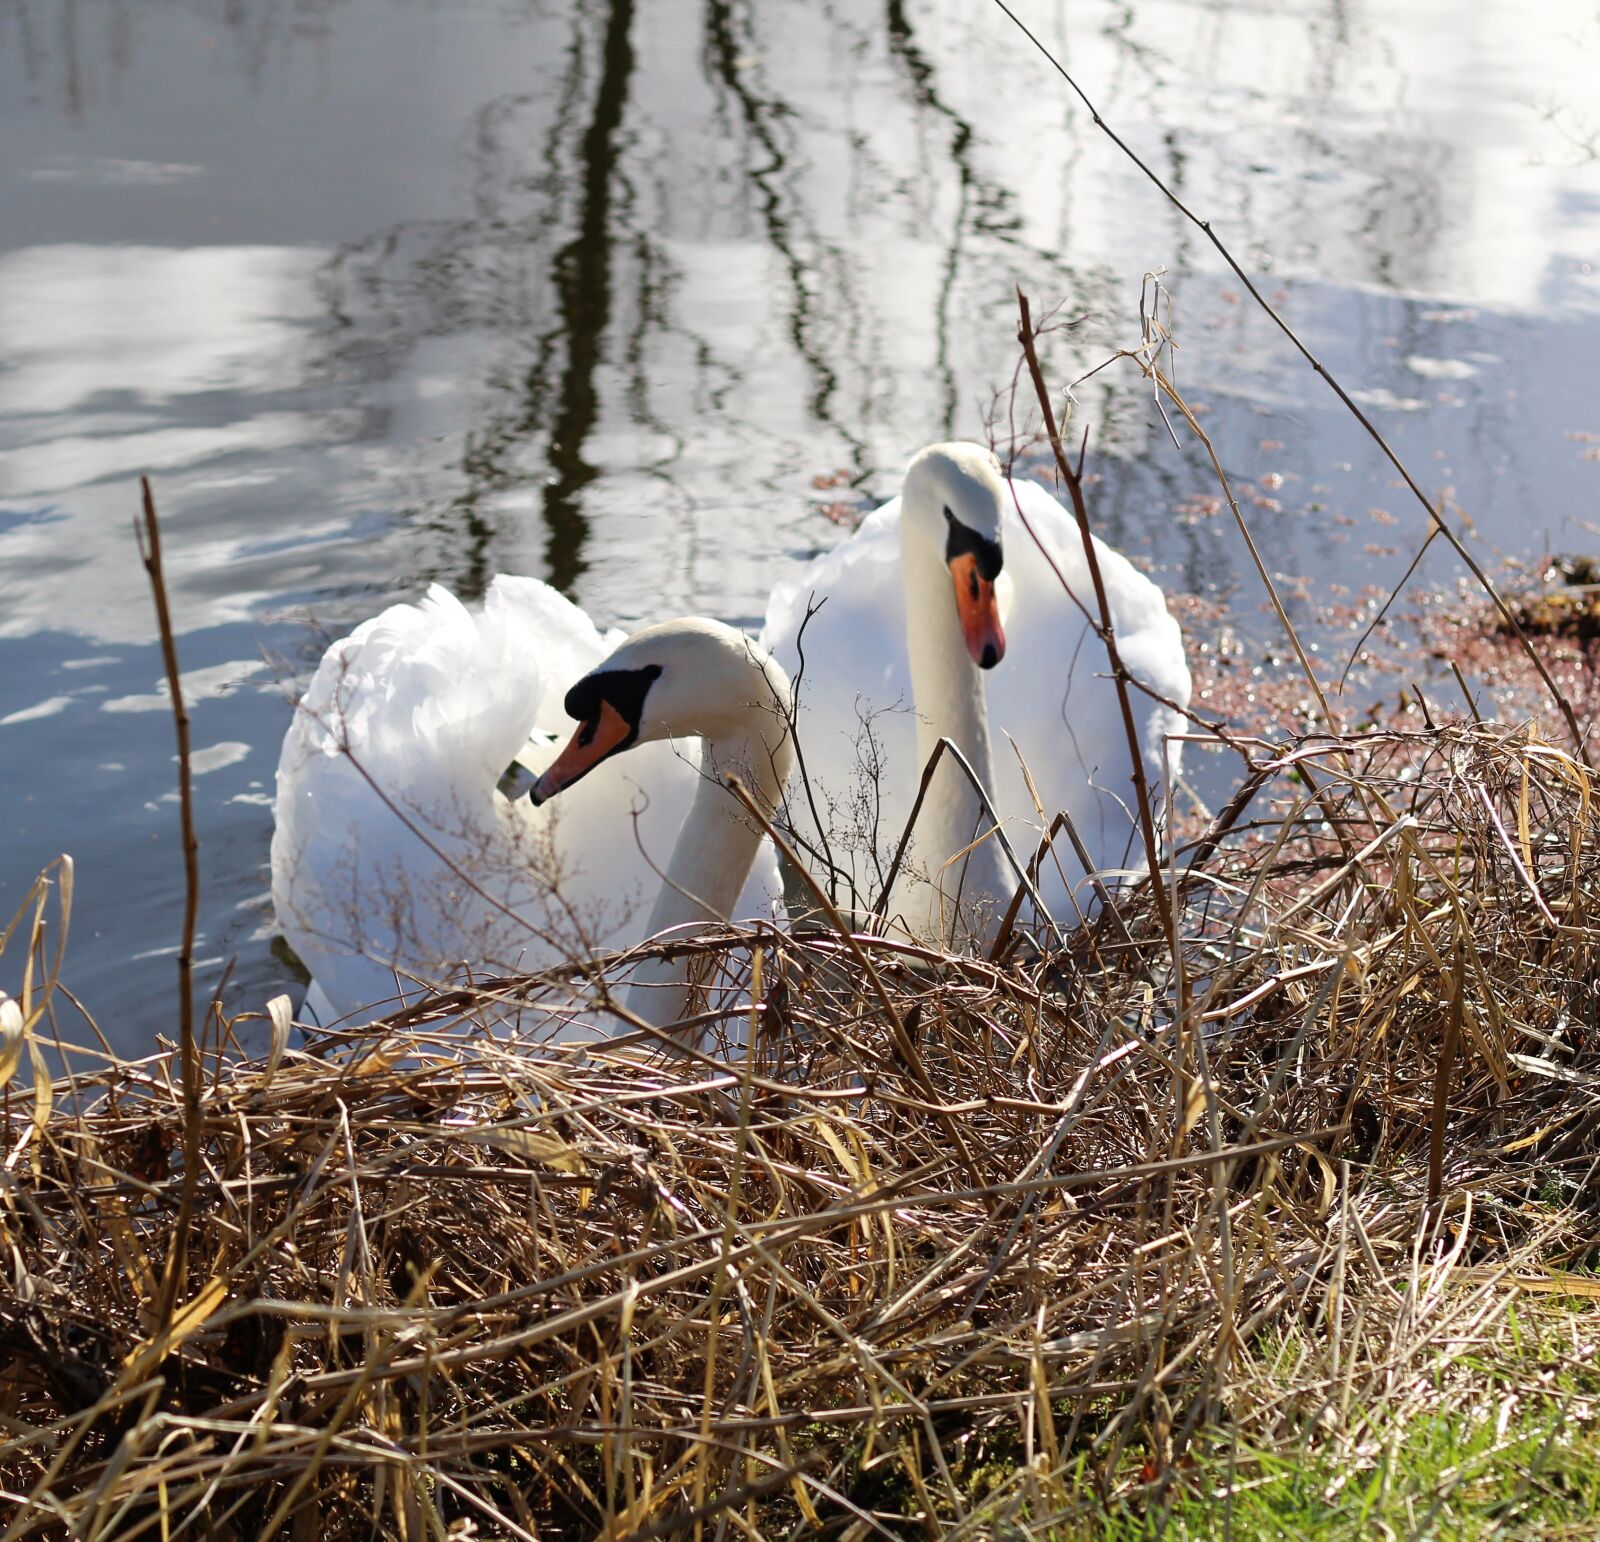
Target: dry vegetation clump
{"type": "Point", "coordinates": [960, 1248]}
{"type": "Point", "coordinates": [1555, 603]}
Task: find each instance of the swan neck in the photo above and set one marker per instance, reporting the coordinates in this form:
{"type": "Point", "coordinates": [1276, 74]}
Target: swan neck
{"type": "Point", "coordinates": [715, 850]}
{"type": "Point", "coordinates": [947, 688]}
{"type": "Point", "coordinates": [718, 842]}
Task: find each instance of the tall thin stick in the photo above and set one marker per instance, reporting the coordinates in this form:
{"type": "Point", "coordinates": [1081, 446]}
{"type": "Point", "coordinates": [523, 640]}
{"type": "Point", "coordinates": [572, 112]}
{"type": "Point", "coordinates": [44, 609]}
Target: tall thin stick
{"type": "Point", "coordinates": [149, 537]}
{"type": "Point", "coordinates": [1104, 626]}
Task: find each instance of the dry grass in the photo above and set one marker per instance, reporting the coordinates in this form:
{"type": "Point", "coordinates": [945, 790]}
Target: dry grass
{"type": "Point", "coordinates": [959, 1249]}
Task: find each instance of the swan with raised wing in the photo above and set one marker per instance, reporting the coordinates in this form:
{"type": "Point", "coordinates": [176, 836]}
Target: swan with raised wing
{"type": "Point", "coordinates": [397, 861]}
{"type": "Point", "coordinates": [942, 617]}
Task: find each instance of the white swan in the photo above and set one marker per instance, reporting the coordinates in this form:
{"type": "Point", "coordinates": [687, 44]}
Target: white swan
{"type": "Point", "coordinates": [398, 863]}
{"type": "Point", "coordinates": [941, 617]}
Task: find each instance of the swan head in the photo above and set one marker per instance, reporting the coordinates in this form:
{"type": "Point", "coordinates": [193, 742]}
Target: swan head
{"type": "Point", "coordinates": [953, 502]}
{"type": "Point", "coordinates": [679, 679]}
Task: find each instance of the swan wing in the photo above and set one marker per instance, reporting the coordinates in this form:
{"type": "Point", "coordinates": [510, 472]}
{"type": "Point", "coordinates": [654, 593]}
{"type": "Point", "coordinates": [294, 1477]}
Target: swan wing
{"type": "Point", "coordinates": [392, 859]}
{"type": "Point", "coordinates": [855, 715]}
{"type": "Point", "coordinates": [1053, 704]}
{"type": "Point", "coordinates": [567, 643]}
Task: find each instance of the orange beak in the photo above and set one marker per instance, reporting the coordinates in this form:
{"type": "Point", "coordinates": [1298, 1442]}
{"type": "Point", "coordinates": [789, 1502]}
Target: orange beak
{"type": "Point", "coordinates": [980, 614]}
{"type": "Point", "coordinates": [593, 741]}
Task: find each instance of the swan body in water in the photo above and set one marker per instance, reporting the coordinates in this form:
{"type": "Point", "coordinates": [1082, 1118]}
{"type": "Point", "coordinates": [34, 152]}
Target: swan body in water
{"type": "Point", "coordinates": [398, 863]}
{"type": "Point", "coordinates": [940, 617]}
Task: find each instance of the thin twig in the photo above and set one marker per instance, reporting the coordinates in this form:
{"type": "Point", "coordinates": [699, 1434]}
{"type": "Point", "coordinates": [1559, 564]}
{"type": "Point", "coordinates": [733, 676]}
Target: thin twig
{"type": "Point", "coordinates": [1105, 626]}
{"type": "Point", "coordinates": [172, 1280]}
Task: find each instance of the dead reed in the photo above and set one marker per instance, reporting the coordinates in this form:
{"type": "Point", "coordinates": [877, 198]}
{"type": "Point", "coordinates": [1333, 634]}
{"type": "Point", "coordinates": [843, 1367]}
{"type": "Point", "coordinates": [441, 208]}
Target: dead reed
{"type": "Point", "coordinates": [958, 1248]}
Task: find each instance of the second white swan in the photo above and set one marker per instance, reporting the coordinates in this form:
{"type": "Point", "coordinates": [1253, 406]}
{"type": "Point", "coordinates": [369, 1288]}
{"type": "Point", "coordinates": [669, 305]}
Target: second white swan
{"type": "Point", "coordinates": [941, 616]}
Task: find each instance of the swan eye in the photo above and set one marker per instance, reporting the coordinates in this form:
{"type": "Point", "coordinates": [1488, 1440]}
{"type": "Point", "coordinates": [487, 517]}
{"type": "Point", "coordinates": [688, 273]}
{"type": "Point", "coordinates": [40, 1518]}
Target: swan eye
{"type": "Point", "coordinates": [963, 541]}
{"type": "Point", "coordinates": [623, 690]}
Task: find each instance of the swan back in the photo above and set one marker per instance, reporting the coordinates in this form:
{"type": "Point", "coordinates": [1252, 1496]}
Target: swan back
{"type": "Point", "coordinates": [1054, 701]}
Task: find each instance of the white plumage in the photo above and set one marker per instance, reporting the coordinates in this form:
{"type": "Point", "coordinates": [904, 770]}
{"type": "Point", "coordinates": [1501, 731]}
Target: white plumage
{"type": "Point", "coordinates": [396, 862]}
{"type": "Point", "coordinates": [1050, 695]}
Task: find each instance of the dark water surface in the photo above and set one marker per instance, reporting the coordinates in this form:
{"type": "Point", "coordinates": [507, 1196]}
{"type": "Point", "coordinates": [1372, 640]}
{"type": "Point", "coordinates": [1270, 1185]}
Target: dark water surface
{"type": "Point", "coordinates": [385, 291]}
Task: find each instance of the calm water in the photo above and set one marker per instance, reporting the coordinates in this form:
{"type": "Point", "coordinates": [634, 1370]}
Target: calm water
{"type": "Point", "coordinates": [385, 291]}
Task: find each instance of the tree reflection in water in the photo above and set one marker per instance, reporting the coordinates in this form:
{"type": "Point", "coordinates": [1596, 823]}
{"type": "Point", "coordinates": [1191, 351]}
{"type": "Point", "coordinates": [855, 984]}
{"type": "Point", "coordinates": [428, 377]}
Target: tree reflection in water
{"type": "Point", "coordinates": [731, 269]}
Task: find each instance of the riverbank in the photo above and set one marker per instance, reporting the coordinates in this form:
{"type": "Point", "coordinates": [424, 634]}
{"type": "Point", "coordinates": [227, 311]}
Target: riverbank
{"type": "Point", "coordinates": [1291, 1222]}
